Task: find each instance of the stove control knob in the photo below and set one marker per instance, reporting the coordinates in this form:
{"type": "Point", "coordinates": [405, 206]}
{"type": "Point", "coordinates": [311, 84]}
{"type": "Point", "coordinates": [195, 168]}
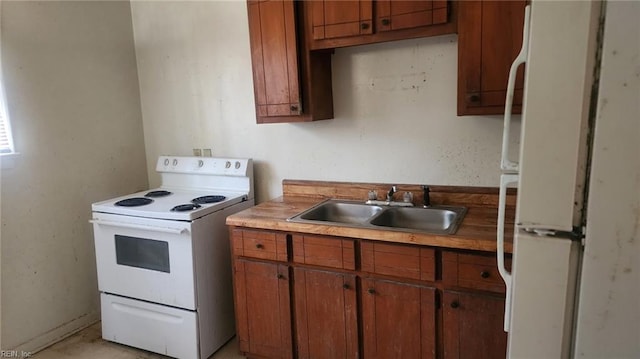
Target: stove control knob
{"type": "Point", "coordinates": [227, 165]}
{"type": "Point", "coordinates": [200, 163]}
{"type": "Point", "coordinates": [175, 161]}
{"type": "Point", "coordinates": [166, 161]}
{"type": "Point", "coordinates": [237, 164]}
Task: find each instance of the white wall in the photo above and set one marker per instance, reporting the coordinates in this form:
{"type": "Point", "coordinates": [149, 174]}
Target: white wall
{"type": "Point", "coordinates": [73, 98]}
{"type": "Point", "coordinates": [395, 105]}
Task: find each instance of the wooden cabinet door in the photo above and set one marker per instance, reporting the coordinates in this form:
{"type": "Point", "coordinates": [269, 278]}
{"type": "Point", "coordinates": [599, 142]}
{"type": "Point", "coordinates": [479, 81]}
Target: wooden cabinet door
{"type": "Point", "coordinates": [397, 14]}
{"type": "Point", "coordinates": [489, 39]}
{"type": "Point", "coordinates": [326, 320]}
{"type": "Point", "coordinates": [473, 326]}
{"type": "Point", "coordinates": [263, 315]}
{"type": "Point", "coordinates": [341, 18]}
{"type": "Point", "coordinates": [274, 54]}
{"type": "Point", "coordinates": [398, 320]}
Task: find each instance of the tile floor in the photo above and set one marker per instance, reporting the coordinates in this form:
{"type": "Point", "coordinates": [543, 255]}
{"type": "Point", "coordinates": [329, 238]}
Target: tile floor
{"type": "Point", "coordinates": [88, 343]}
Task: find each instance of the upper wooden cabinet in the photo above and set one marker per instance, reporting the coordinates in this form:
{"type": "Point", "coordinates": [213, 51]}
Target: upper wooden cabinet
{"type": "Point", "coordinates": [292, 43]}
{"type": "Point", "coordinates": [290, 83]}
{"type": "Point", "coordinates": [489, 39]}
{"type": "Point", "coordinates": [398, 15]}
{"type": "Point", "coordinates": [334, 19]}
{"type": "Point", "coordinates": [339, 23]}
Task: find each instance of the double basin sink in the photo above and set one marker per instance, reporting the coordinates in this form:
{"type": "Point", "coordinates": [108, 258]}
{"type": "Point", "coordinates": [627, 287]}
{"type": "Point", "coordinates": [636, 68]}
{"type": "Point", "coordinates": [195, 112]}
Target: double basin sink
{"type": "Point", "coordinates": [432, 220]}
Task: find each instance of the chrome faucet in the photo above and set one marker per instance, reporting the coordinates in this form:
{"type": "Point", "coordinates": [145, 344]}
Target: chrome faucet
{"type": "Point", "coordinates": [389, 201]}
{"type": "Point", "coordinates": [392, 190]}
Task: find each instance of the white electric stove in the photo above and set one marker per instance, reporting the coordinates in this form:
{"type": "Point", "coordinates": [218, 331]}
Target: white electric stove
{"type": "Point", "coordinates": [163, 257]}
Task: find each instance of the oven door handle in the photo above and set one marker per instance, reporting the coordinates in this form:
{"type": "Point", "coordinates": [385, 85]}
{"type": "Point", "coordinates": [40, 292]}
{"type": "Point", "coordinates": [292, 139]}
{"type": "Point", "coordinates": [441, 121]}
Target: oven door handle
{"type": "Point", "coordinates": [140, 227]}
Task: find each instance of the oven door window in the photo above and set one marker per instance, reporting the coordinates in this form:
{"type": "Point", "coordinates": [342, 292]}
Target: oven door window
{"type": "Point", "coordinates": [142, 253]}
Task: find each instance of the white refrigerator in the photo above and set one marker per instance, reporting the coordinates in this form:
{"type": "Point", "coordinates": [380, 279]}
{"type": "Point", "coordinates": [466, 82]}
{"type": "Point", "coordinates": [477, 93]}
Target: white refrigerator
{"type": "Point", "coordinates": [574, 289]}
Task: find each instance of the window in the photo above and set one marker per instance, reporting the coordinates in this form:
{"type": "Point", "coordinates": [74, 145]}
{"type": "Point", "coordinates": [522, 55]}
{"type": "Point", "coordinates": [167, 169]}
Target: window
{"type": "Point", "coordinates": [6, 139]}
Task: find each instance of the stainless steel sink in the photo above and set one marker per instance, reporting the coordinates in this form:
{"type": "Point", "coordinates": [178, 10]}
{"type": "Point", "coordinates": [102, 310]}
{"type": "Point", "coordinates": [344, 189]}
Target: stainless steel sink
{"type": "Point", "coordinates": [340, 212]}
{"type": "Point", "coordinates": [434, 220]}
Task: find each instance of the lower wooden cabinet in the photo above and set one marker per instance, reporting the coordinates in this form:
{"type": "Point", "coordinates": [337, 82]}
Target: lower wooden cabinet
{"type": "Point", "coordinates": [374, 300]}
{"type": "Point", "coordinates": [398, 320]}
{"type": "Point", "coordinates": [473, 326]}
{"type": "Point", "coordinates": [263, 311]}
{"type": "Point", "coordinates": [326, 314]}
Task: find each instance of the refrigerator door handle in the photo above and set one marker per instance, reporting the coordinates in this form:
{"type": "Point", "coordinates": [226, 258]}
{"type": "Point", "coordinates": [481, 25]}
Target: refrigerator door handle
{"type": "Point", "coordinates": [505, 180]}
{"type": "Point", "coordinates": [505, 163]}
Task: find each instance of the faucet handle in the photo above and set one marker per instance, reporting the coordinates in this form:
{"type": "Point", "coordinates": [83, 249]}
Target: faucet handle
{"type": "Point", "coordinates": [425, 197]}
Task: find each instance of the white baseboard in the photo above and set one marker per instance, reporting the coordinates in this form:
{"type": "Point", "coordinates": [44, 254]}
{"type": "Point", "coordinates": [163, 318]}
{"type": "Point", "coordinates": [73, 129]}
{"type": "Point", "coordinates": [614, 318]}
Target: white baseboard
{"type": "Point", "coordinates": [59, 333]}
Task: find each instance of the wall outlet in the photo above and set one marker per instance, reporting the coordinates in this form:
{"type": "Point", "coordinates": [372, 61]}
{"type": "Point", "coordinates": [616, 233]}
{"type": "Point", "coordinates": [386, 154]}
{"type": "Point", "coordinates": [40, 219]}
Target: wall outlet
{"type": "Point", "coordinates": [206, 152]}
{"type": "Point", "coordinates": [197, 152]}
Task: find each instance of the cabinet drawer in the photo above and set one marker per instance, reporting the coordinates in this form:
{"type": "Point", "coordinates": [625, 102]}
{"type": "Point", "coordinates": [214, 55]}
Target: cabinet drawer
{"type": "Point", "coordinates": [260, 244]}
{"type": "Point", "coordinates": [324, 251]}
{"type": "Point", "coordinates": [473, 271]}
{"type": "Point", "coordinates": [406, 261]}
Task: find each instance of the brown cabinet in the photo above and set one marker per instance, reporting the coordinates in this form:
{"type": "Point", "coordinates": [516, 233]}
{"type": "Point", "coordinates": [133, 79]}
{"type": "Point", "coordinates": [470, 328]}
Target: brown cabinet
{"type": "Point", "coordinates": [313, 296]}
{"type": "Point", "coordinates": [292, 41]}
{"type": "Point", "coordinates": [263, 313]}
{"type": "Point", "coordinates": [473, 306]}
{"type": "Point", "coordinates": [324, 251]}
{"type": "Point", "coordinates": [473, 326]}
{"type": "Point", "coordinates": [326, 314]}
{"type": "Point", "coordinates": [489, 39]}
{"type": "Point", "coordinates": [332, 19]}
{"type": "Point", "coordinates": [398, 260]}
{"type": "Point", "coordinates": [259, 244]}
{"type": "Point", "coordinates": [290, 84]}
{"type": "Point", "coordinates": [397, 15]}
{"type": "Point", "coordinates": [398, 320]}
{"type": "Point", "coordinates": [472, 271]}
{"type": "Point", "coordinates": [339, 23]}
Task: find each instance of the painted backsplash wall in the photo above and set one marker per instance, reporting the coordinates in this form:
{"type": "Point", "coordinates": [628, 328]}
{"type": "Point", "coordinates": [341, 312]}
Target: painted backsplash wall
{"type": "Point", "coordinates": [72, 91]}
{"type": "Point", "coordinates": [395, 106]}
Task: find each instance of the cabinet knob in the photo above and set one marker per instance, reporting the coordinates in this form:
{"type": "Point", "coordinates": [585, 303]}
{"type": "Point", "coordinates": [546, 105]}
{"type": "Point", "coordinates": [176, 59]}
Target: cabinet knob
{"type": "Point", "coordinates": [259, 246]}
{"type": "Point", "coordinates": [474, 97]}
{"type": "Point", "coordinates": [455, 305]}
{"type": "Point", "coordinates": [371, 291]}
{"type": "Point", "coordinates": [294, 108]}
{"type": "Point", "coordinates": [484, 274]}
{"type": "Point", "coordinates": [280, 276]}
{"type": "Point", "coordinates": [364, 26]}
{"type": "Point", "coordinates": [386, 22]}
{"type": "Point", "coordinates": [346, 286]}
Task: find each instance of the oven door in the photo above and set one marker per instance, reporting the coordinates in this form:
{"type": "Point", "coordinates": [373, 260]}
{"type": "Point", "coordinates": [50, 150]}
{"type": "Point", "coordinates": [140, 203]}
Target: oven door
{"type": "Point", "coordinates": [142, 258]}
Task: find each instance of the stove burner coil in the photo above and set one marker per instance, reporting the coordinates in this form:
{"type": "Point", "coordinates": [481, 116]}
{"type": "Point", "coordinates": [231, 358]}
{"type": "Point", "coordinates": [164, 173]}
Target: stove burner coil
{"type": "Point", "coordinates": [208, 199]}
{"type": "Point", "coordinates": [185, 207]}
{"type": "Point", "coordinates": [155, 194]}
{"type": "Point", "coordinates": [134, 202]}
